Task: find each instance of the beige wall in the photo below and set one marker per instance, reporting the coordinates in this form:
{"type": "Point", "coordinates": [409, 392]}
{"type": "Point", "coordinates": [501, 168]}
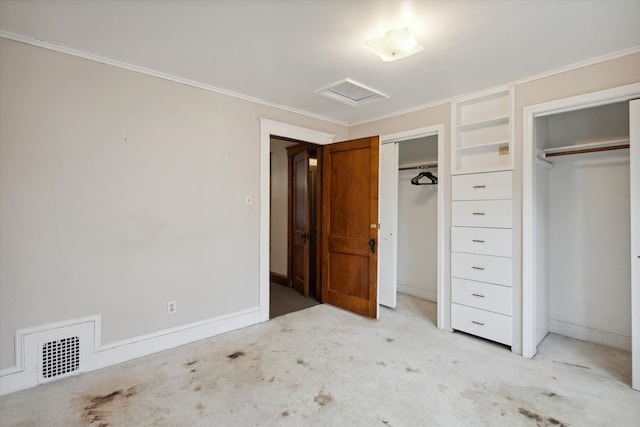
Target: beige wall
{"type": "Point", "coordinates": [279, 206]}
{"type": "Point", "coordinates": [120, 191]}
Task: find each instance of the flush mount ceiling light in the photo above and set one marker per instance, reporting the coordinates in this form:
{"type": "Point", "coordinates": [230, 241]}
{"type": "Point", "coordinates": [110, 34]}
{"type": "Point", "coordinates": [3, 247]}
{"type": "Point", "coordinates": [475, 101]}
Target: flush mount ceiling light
{"type": "Point", "coordinates": [351, 93]}
{"type": "Point", "coordinates": [394, 45]}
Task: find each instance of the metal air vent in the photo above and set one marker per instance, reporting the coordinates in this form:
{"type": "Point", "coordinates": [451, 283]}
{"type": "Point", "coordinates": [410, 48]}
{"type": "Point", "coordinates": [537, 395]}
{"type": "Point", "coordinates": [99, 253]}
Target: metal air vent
{"type": "Point", "coordinates": [351, 93]}
{"type": "Point", "coordinates": [60, 358]}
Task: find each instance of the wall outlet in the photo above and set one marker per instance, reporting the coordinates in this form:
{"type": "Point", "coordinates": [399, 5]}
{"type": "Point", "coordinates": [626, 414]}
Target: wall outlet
{"type": "Point", "coordinates": [172, 307]}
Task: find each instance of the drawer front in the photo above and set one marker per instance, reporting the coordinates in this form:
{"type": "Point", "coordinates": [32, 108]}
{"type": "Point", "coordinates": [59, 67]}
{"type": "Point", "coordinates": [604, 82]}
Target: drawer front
{"type": "Point", "coordinates": [495, 327]}
{"type": "Point", "coordinates": [482, 213]}
{"type": "Point", "coordinates": [481, 268]}
{"type": "Point", "coordinates": [485, 241]}
{"type": "Point", "coordinates": [482, 186]}
{"type": "Point", "coordinates": [481, 295]}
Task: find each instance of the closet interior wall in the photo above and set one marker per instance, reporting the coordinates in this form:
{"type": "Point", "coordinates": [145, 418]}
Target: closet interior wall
{"type": "Point", "coordinates": [417, 220]}
{"type": "Point", "coordinates": [583, 228]}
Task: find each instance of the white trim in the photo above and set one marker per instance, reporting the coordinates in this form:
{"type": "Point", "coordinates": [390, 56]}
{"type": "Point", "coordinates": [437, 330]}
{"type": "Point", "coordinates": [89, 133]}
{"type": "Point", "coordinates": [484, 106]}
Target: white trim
{"type": "Point", "coordinates": [444, 287]}
{"type": "Point", "coordinates": [545, 74]}
{"type": "Point", "coordinates": [267, 129]}
{"type": "Point", "coordinates": [584, 333]}
{"type": "Point", "coordinates": [530, 113]}
{"type": "Point", "coordinates": [81, 54]}
{"type": "Point", "coordinates": [418, 292]}
{"type": "Point", "coordinates": [24, 374]}
{"type": "Point", "coordinates": [115, 63]}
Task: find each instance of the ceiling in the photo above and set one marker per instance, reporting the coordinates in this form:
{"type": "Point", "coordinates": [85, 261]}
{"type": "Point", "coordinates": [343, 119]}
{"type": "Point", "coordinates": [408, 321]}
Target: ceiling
{"type": "Point", "coordinates": [280, 52]}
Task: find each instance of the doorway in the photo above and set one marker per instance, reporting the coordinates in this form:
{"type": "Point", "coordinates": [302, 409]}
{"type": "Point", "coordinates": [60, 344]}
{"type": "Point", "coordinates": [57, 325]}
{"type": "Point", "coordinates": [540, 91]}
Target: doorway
{"type": "Point", "coordinates": [414, 219]}
{"type": "Point", "coordinates": [293, 217]}
{"type": "Point", "coordinates": [577, 262]}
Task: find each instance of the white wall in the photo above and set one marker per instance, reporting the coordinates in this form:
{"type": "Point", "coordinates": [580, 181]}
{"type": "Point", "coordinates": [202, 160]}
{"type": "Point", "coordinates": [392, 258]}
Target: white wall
{"type": "Point", "coordinates": [589, 244]}
{"type": "Point", "coordinates": [279, 206]}
{"type": "Point", "coordinates": [417, 222]}
{"type": "Point", "coordinates": [120, 191]}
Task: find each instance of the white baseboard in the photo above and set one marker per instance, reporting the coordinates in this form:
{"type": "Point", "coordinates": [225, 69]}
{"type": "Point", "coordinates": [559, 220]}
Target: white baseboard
{"type": "Point", "coordinates": [25, 374]}
{"type": "Point", "coordinates": [417, 292]}
{"type": "Point", "coordinates": [585, 333]}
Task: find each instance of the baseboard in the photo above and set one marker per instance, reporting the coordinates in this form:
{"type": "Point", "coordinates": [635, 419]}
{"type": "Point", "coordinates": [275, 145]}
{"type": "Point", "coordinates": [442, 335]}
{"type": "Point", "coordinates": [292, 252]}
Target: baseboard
{"type": "Point", "coordinates": [279, 279]}
{"type": "Point", "coordinates": [585, 333]}
{"type": "Point", "coordinates": [26, 372]}
{"type": "Point", "coordinates": [417, 292]}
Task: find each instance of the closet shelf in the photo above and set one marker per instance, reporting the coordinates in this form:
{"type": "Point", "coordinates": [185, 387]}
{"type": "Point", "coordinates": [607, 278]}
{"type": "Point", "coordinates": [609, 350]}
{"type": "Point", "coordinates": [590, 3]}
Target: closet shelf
{"type": "Point", "coordinates": [482, 146]}
{"type": "Point", "coordinates": [484, 123]}
{"type": "Point", "coordinates": [617, 144]}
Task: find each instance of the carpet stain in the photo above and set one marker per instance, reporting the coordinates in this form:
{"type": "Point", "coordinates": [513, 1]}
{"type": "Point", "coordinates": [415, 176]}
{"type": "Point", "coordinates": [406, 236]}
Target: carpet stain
{"type": "Point", "coordinates": [390, 339]}
{"type": "Point", "coordinates": [323, 399]}
{"type": "Point", "coordinates": [301, 361]}
{"type": "Point", "coordinates": [193, 362]}
{"type": "Point", "coordinates": [234, 356]}
{"type": "Point", "coordinates": [381, 364]}
{"type": "Point", "coordinates": [540, 420]}
{"type": "Point", "coordinates": [572, 364]}
{"type": "Point", "coordinates": [200, 406]}
{"type": "Point", "coordinates": [192, 371]}
{"type": "Point", "coordinates": [197, 388]}
{"type": "Point", "coordinates": [284, 414]}
{"type": "Point", "coordinates": [98, 408]}
{"type": "Point", "coordinates": [409, 369]}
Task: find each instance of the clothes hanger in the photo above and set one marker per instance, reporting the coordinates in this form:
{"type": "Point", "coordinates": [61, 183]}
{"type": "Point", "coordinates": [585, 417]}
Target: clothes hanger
{"type": "Point", "coordinates": [416, 180]}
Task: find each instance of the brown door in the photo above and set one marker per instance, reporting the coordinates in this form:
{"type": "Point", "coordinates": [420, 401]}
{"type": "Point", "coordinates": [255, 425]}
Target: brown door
{"type": "Point", "coordinates": [350, 225]}
{"type": "Point", "coordinates": [300, 222]}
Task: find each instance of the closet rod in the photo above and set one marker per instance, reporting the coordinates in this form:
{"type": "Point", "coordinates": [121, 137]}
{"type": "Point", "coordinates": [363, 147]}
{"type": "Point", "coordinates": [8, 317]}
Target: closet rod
{"type": "Point", "coordinates": [427, 166]}
{"type": "Point", "coordinates": [587, 150]}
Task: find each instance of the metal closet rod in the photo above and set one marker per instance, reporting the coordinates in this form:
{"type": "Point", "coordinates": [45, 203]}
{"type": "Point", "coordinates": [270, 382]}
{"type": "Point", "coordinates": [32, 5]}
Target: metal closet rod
{"type": "Point", "coordinates": [425, 166]}
{"type": "Point", "coordinates": [587, 150]}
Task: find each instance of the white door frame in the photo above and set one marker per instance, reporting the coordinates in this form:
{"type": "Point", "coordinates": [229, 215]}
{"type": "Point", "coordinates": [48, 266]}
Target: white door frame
{"type": "Point", "coordinates": [270, 128]}
{"type": "Point", "coordinates": [619, 94]}
{"type": "Point", "coordinates": [444, 291]}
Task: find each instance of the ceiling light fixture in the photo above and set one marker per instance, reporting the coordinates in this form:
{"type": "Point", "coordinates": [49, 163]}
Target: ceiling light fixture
{"type": "Point", "coordinates": [394, 45]}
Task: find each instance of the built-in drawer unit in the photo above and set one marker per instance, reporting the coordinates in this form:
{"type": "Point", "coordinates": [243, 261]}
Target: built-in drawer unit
{"type": "Point", "coordinates": [481, 252]}
{"type": "Point", "coordinates": [484, 241]}
{"type": "Point", "coordinates": [485, 324]}
{"type": "Point", "coordinates": [481, 268]}
{"type": "Point", "coordinates": [482, 186]}
{"type": "Point", "coordinates": [481, 295]}
{"type": "Point", "coordinates": [481, 213]}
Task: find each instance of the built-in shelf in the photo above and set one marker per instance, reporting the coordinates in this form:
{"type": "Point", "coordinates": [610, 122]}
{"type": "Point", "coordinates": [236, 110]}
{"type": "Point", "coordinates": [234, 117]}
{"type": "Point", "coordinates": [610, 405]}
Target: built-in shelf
{"type": "Point", "coordinates": [483, 146]}
{"type": "Point", "coordinates": [482, 128]}
{"type": "Point", "coordinates": [483, 123]}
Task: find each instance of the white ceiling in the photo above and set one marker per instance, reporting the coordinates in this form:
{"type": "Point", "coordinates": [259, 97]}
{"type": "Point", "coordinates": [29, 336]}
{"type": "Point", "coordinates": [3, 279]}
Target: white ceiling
{"type": "Point", "coordinates": [280, 52]}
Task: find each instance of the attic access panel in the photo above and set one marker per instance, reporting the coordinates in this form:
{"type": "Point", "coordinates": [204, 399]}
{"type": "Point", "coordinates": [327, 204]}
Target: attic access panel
{"type": "Point", "coordinates": [351, 93]}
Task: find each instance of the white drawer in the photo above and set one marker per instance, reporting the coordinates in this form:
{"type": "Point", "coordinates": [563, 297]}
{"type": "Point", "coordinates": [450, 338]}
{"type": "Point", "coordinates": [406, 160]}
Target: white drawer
{"type": "Point", "coordinates": [496, 327]}
{"type": "Point", "coordinates": [481, 186]}
{"type": "Point", "coordinates": [482, 213]}
{"type": "Point", "coordinates": [481, 295]}
{"type": "Point", "coordinates": [485, 241]}
{"type": "Point", "coordinates": [481, 268]}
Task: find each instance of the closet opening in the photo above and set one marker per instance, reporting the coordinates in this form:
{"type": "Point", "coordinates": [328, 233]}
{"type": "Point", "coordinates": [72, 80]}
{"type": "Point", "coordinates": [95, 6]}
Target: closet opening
{"type": "Point", "coordinates": [294, 225]}
{"type": "Point", "coordinates": [411, 214]}
{"type": "Point", "coordinates": [581, 273]}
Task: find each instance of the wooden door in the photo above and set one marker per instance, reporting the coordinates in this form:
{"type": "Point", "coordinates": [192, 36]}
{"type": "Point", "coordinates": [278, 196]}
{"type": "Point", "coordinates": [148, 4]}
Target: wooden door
{"type": "Point", "coordinates": [300, 222]}
{"type": "Point", "coordinates": [634, 154]}
{"type": "Point", "coordinates": [350, 225]}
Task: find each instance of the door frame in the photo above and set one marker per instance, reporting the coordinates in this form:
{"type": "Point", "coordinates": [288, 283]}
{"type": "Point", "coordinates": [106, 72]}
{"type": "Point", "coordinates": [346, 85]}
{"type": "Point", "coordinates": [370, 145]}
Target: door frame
{"type": "Point", "coordinates": [444, 223]}
{"type": "Point", "coordinates": [267, 129]}
{"type": "Point", "coordinates": [530, 113]}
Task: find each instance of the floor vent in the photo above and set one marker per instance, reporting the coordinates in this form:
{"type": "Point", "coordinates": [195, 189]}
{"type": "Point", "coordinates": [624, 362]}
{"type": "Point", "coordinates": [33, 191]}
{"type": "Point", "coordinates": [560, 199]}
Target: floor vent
{"type": "Point", "coordinates": [351, 93]}
{"type": "Point", "coordinates": [60, 358]}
